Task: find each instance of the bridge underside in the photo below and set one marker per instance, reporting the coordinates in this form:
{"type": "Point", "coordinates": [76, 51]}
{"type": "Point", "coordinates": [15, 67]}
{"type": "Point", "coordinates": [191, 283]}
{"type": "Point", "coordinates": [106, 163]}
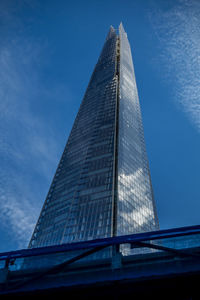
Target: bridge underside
{"type": "Point", "coordinates": [160, 275]}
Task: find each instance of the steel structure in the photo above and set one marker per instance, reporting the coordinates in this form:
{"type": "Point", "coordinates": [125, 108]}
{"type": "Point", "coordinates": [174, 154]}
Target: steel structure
{"type": "Point", "coordinates": [70, 268]}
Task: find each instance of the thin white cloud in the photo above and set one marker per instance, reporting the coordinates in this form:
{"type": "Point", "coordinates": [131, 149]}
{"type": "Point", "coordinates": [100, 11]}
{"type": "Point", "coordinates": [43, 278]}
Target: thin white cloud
{"type": "Point", "coordinates": [28, 148]}
{"type": "Point", "coordinates": [143, 211]}
{"type": "Point", "coordinates": [17, 217]}
{"type": "Point", "coordinates": [178, 29]}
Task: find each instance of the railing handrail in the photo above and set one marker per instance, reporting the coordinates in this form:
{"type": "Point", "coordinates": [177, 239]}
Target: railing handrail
{"type": "Point", "coordinates": [125, 239]}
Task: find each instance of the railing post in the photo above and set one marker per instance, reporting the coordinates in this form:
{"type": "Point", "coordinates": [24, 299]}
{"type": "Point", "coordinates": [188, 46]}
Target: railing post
{"type": "Point", "coordinates": [4, 271]}
{"type": "Point", "coordinates": [116, 257]}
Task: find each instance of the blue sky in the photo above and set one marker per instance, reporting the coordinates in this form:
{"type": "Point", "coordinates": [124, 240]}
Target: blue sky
{"type": "Point", "coordinates": [48, 50]}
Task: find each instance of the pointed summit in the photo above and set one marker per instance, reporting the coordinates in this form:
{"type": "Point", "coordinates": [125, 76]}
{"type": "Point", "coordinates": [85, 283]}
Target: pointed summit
{"type": "Point", "coordinates": [111, 33]}
{"type": "Point", "coordinates": [121, 26]}
{"type": "Point", "coordinates": [122, 31]}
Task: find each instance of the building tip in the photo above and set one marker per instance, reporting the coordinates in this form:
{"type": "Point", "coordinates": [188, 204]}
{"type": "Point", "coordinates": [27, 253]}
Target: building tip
{"type": "Point", "coordinates": [121, 25]}
{"type": "Point", "coordinates": [112, 28]}
{"type": "Point", "coordinates": [111, 32]}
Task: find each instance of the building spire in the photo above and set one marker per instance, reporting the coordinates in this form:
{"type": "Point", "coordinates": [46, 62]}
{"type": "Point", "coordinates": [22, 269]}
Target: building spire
{"type": "Point", "coordinates": [122, 32]}
{"type": "Point", "coordinates": [121, 25]}
{"type": "Point", "coordinates": [111, 32]}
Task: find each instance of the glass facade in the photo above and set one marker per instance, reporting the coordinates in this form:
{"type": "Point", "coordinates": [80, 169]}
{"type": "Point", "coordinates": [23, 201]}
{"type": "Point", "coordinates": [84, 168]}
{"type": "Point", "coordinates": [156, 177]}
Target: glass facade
{"type": "Point", "coordinates": [102, 184]}
{"type": "Point", "coordinates": [136, 210]}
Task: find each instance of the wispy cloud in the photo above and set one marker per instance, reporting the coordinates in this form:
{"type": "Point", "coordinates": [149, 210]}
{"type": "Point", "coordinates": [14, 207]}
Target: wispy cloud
{"type": "Point", "coordinates": [28, 149]}
{"type": "Point", "coordinates": [178, 29]}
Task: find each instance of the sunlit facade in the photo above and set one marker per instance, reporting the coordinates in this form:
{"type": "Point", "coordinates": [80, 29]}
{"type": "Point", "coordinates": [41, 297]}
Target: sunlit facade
{"type": "Point", "coordinates": [102, 185]}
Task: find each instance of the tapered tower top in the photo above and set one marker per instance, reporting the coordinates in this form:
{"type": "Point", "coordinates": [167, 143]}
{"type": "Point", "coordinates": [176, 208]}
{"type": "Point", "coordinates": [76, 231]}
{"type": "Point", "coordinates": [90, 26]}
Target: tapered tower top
{"type": "Point", "coordinates": [102, 185]}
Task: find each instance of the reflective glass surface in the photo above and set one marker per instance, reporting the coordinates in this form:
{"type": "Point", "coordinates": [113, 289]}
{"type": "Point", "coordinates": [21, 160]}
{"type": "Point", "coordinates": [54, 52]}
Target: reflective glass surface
{"type": "Point", "coordinates": [135, 207]}
{"type": "Point", "coordinates": [102, 185]}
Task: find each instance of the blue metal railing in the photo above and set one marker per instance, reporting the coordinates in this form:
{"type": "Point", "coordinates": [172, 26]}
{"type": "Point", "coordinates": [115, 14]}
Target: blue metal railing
{"type": "Point", "coordinates": [45, 261]}
{"type": "Point", "coordinates": [105, 242]}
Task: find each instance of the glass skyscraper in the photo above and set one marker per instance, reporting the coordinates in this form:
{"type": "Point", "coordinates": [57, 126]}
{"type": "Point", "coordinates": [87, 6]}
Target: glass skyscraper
{"type": "Point", "coordinates": [102, 184]}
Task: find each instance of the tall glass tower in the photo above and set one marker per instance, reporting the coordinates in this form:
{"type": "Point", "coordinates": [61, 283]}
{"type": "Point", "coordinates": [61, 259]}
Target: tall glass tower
{"type": "Point", "coordinates": [102, 184]}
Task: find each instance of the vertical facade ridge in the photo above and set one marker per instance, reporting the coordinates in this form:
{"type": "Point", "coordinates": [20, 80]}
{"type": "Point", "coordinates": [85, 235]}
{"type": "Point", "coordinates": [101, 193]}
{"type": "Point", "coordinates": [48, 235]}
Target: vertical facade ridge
{"type": "Point", "coordinates": [115, 166]}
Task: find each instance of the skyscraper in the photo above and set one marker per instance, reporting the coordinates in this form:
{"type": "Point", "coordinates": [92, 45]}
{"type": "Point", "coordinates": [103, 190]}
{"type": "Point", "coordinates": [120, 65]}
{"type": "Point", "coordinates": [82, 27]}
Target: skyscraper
{"type": "Point", "coordinates": [102, 184]}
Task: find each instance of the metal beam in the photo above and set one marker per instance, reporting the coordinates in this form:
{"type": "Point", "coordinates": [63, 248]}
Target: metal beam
{"type": "Point", "coordinates": [56, 268]}
{"type": "Point", "coordinates": [126, 239]}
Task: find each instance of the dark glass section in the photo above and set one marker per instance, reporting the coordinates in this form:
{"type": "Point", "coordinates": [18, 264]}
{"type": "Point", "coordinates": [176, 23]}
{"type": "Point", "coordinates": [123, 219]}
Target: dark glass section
{"type": "Point", "coordinates": [79, 203]}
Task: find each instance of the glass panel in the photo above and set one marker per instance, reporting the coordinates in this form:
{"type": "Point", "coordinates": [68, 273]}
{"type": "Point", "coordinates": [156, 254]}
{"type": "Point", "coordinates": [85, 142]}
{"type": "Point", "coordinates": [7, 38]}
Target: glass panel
{"type": "Point", "coordinates": [136, 207]}
{"type": "Point", "coordinates": [74, 209]}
